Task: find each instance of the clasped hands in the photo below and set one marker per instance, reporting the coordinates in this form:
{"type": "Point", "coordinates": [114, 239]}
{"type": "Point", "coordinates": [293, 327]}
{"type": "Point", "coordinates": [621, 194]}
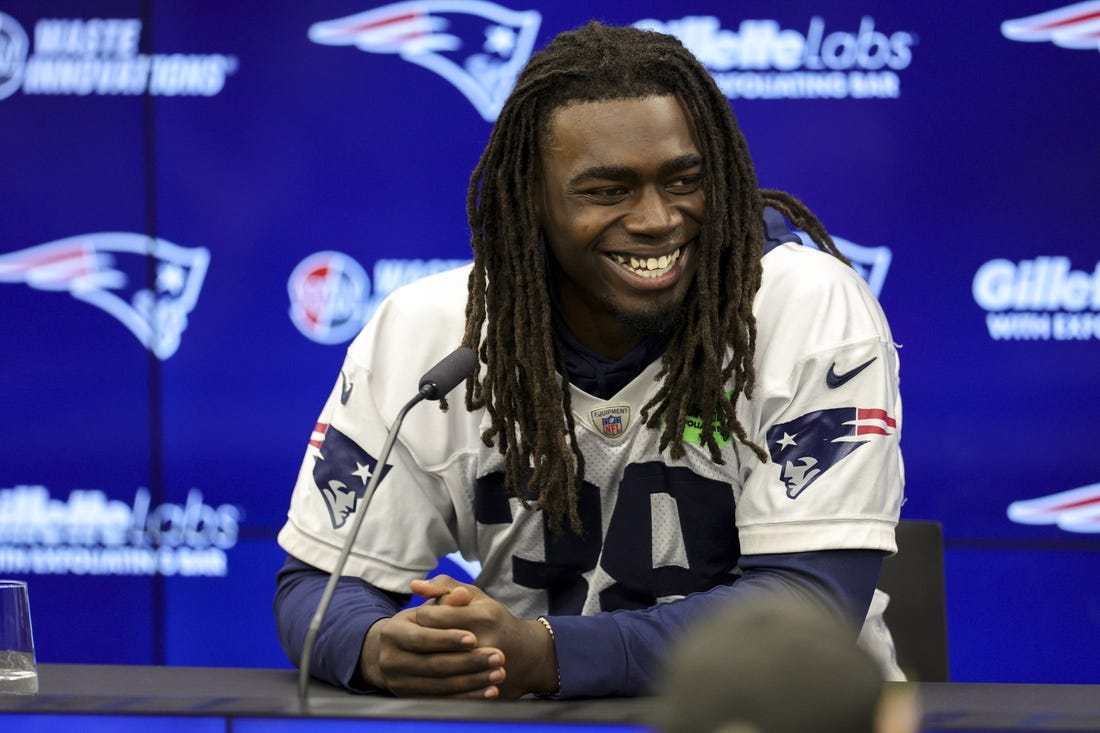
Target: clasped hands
{"type": "Point", "coordinates": [459, 643]}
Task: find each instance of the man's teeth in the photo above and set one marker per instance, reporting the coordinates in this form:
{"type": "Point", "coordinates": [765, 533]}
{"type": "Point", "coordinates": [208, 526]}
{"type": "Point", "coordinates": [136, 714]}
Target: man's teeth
{"type": "Point", "coordinates": [651, 267]}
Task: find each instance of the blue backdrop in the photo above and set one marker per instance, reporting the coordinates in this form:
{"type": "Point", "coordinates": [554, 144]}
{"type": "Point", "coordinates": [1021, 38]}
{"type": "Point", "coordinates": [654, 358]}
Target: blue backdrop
{"type": "Point", "coordinates": [201, 207]}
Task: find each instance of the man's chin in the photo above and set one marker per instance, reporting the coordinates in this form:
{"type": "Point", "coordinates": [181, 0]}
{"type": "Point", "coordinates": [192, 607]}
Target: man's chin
{"type": "Point", "coordinates": [652, 321]}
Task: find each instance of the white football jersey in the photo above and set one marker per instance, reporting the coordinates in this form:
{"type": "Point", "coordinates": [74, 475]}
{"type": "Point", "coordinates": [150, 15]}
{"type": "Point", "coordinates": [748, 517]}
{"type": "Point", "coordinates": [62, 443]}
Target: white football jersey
{"type": "Point", "coordinates": [825, 407]}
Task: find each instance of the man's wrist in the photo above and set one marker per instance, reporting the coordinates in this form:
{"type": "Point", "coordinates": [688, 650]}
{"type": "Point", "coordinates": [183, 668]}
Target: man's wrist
{"type": "Point", "coordinates": [550, 682]}
{"type": "Point", "coordinates": [369, 668]}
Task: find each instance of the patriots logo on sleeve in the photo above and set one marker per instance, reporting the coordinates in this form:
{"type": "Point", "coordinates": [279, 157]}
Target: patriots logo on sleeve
{"type": "Point", "coordinates": [438, 35]}
{"type": "Point", "coordinates": [341, 472]}
{"type": "Point", "coordinates": [808, 446]}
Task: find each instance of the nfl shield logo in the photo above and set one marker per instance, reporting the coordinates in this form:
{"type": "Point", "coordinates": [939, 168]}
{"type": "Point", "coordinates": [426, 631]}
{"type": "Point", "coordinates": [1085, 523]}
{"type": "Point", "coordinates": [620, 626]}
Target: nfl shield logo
{"type": "Point", "coordinates": [611, 422]}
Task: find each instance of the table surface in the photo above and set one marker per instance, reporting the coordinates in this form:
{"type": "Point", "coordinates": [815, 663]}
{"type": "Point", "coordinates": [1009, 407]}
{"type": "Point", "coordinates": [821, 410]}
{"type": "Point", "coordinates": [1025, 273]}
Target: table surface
{"type": "Point", "coordinates": [243, 692]}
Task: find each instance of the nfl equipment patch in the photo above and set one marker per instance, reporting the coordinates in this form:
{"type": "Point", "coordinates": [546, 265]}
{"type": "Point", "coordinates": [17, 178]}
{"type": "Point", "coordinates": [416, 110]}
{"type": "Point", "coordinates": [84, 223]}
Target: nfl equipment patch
{"type": "Point", "coordinates": [612, 421]}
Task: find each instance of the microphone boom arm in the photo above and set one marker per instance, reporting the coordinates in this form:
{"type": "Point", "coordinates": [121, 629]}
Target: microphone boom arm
{"type": "Point", "coordinates": [437, 382]}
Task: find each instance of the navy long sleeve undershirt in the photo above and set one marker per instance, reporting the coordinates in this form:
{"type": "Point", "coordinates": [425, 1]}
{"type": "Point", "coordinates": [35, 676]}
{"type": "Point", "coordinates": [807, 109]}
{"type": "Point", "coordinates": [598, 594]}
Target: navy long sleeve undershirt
{"type": "Point", "coordinates": [614, 653]}
{"type": "Point", "coordinates": [355, 606]}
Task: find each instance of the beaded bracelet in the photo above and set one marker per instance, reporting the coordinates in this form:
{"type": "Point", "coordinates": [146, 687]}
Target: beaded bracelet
{"type": "Point", "coordinates": [550, 630]}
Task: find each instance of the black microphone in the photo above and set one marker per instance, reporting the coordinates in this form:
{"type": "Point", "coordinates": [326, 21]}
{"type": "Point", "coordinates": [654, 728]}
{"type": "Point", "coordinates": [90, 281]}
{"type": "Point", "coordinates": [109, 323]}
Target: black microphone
{"type": "Point", "coordinates": [445, 376]}
{"type": "Point", "coordinates": [434, 385]}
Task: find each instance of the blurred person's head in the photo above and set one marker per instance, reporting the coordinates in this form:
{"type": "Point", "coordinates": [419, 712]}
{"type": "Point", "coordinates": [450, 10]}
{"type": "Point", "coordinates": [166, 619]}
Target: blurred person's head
{"type": "Point", "coordinates": [772, 667]}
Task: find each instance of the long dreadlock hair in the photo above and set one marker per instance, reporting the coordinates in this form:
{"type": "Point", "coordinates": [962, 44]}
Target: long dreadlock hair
{"type": "Point", "coordinates": [508, 312]}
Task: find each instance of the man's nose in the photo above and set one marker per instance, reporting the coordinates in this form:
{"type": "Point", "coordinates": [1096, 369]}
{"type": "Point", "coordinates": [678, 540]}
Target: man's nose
{"type": "Point", "coordinates": [653, 213]}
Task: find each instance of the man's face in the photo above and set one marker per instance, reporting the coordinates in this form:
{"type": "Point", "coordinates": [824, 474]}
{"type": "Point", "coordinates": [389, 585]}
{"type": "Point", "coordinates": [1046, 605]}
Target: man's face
{"type": "Point", "coordinates": [621, 205]}
{"type": "Point", "coordinates": [341, 502]}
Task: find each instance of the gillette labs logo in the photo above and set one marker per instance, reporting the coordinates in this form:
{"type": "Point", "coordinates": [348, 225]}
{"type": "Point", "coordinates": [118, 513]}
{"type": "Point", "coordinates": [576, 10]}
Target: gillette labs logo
{"type": "Point", "coordinates": [100, 56]}
{"type": "Point", "coordinates": [763, 60]}
{"type": "Point", "coordinates": [1042, 299]}
{"type": "Point", "coordinates": [89, 534]}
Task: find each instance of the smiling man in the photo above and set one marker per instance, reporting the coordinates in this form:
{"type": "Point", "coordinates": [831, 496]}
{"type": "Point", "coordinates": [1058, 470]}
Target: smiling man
{"type": "Point", "coordinates": [656, 350]}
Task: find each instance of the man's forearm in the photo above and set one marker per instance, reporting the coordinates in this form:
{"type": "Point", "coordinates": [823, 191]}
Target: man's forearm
{"type": "Point", "coordinates": [356, 605]}
{"type": "Point", "coordinates": [621, 652]}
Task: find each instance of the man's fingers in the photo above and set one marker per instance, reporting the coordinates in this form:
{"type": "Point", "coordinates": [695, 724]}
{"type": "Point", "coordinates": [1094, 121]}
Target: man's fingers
{"type": "Point", "coordinates": [477, 618]}
{"type": "Point", "coordinates": [486, 663]}
{"type": "Point", "coordinates": [460, 596]}
{"type": "Point", "coordinates": [444, 591]}
{"type": "Point", "coordinates": [471, 674]}
{"type": "Point", "coordinates": [472, 688]}
{"type": "Point", "coordinates": [491, 692]}
{"type": "Point", "coordinates": [418, 638]}
{"type": "Point", "coordinates": [435, 587]}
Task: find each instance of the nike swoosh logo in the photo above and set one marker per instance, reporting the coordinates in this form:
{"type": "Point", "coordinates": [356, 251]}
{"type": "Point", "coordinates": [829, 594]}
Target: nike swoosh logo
{"type": "Point", "coordinates": [834, 380]}
{"type": "Point", "coordinates": [345, 389]}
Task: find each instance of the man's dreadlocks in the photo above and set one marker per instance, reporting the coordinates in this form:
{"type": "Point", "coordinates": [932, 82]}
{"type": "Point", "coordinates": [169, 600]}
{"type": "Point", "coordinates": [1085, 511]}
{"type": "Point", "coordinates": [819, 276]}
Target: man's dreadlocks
{"type": "Point", "coordinates": [508, 313]}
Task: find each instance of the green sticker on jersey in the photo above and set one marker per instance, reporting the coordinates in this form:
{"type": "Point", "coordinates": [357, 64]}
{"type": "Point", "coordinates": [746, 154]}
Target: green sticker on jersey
{"type": "Point", "coordinates": [693, 429]}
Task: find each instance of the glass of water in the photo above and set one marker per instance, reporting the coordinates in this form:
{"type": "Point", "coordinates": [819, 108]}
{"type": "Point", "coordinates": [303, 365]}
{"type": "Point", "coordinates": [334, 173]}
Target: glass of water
{"type": "Point", "coordinates": [18, 671]}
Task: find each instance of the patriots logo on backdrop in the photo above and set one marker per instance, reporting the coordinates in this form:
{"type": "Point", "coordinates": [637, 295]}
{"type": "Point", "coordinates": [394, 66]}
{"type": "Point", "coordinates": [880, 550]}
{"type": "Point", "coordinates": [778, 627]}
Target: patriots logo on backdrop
{"type": "Point", "coordinates": [98, 268]}
{"type": "Point", "coordinates": [1074, 26]}
{"type": "Point", "coordinates": [1076, 510]}
{"type": "Point", "coordinates": [808, 446]}
{"type": "Point", "coordinates": [872, 263]}
{"type": "Point", "coordinates": [341, 471]}
{"type": "Point", "coordinates": [477, 46]}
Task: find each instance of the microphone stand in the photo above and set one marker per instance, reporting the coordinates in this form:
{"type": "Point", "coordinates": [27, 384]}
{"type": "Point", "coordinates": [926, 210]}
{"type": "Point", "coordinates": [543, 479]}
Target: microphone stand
{"type": "Point", "coordinates": [334, 578]}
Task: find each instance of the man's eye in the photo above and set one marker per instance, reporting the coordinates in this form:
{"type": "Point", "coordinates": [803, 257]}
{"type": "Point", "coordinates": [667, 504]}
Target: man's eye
{"type": "Point", "coordinates": [607, 194]}
{"type": "Point", "coordinates": [686, 184]}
